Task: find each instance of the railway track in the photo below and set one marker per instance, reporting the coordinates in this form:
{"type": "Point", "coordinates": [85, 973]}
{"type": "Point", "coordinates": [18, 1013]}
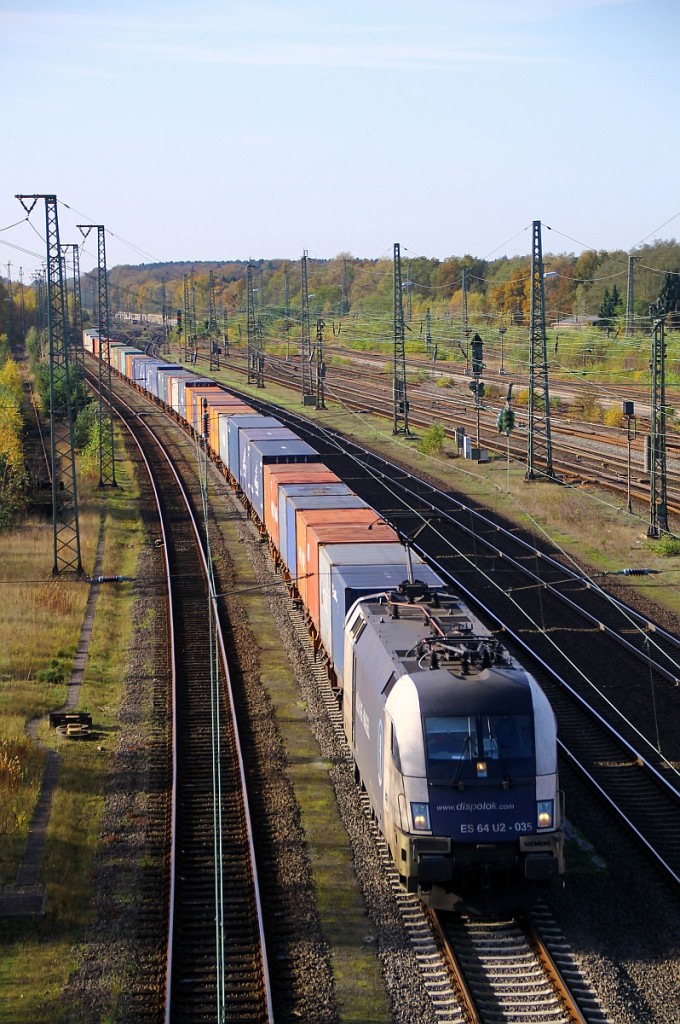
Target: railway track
{"type": "Point", "coordinates": [217, 964]}
{"type": "Point", "coordinates": [598, 455]}
{"type": "Point", "coordinates": [584, 645]}
{"type": "Point", "coordinates": [611, 761]}
{"type": "Point", "coordinates": [506, 970]}
{"type": "Point", "coordinates": [479, 972]}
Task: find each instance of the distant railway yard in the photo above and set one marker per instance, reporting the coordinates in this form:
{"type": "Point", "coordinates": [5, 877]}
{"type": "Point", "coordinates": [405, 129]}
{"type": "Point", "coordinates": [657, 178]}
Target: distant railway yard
{"type": "Point", "coordinates": [281, 878]}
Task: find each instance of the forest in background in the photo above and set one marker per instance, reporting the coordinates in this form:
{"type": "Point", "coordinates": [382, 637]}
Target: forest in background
{"type": "Point", "coordinates": [590, 286]}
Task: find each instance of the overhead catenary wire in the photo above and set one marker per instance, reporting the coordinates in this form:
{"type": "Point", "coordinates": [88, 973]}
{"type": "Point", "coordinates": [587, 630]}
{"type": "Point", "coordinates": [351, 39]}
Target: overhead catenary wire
{"type": "Point", "coordinates": [490, 580]}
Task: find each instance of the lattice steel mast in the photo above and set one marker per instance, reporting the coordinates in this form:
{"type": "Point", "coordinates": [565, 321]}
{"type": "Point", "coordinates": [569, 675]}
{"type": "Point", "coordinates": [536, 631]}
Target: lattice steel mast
{"type": "Point", "coordinates": [539, 441]}
{"type": "Point", "coordinates": [187, 316]}
{"type": "Point", "coordinates": [107, 460]}
{"type": "Point", "coordinates": [320, 365]}
{"type": "Point", "coordinates": [399, 395]}
{"type": "Point", "coordinates": [305, 336]}
{"type": "Point", "coordinates": [212, 325]}
{"type": "Point", "coordinates": [251, 327]}
{"type": "Point", "coordinates": [630, 297]}
{"type": "Point", "coordinates": [66, 531]}
{"type": "Point", "coordinates": [76, 355]}
{"type": "Point", "coordinates": [658, 499]}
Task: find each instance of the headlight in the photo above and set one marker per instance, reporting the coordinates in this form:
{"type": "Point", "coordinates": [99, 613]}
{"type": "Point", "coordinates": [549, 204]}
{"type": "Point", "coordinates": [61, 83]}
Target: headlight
{"type": "Point", "coordinates": [546, 811]}
{"type": "Point", "coordinates": [421, 817]}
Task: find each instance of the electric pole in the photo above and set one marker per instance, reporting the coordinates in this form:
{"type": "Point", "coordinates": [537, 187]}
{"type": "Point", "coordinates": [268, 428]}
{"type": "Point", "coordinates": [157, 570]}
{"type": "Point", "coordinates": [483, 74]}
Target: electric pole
{"type": "Point", "coordinates": [305, 339]}
{"type": "Point", "coordinates": [107, 461]}
{"type": "Point", "coordinates": [320, 365]}
{"type": "Point", "coordinates": [658, 507]}
{"type": "Point", "coordinates": [225, 331]}
{"type": "Point", "coordinates": [21, 302]}
{"type": "Point", "coordinates": [194, 320]}
{"type": "Point", "coordinates": [65, 527]}
{"type": "Point", "coordinates": [186, 337]}
{"type": "Point", "coordinates": [10, 303]}
{"type": "Point", "coordinates": [253, 334]}
{"type": "Point", "coordinates": [630, 297]}
{"type": "Point", "coordinates": [399, 394]}
{"type": "Point", "coordinates": [164, 317]}
{"type": "Point", "coordinates": [213, 326]}
{"type": "Point", "coordinates": [539, 441]}
{"type": "Point", "coordinates": [76, 355]}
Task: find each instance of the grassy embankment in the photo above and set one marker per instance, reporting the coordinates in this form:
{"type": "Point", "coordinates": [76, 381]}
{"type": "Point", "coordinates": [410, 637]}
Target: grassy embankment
{"type": "Point", "coordinates": [40, 622]}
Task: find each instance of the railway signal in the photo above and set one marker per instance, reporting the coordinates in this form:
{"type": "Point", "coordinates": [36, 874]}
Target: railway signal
{"type": "Point", "coordinates": [477, 346]}
{"type": "Point", "coordinates": [631, 433]}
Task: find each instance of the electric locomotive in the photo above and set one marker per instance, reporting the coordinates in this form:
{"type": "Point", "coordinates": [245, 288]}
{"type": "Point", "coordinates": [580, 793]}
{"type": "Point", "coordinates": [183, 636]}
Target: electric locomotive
{"type": "Point", "coordinates": [455, 744]}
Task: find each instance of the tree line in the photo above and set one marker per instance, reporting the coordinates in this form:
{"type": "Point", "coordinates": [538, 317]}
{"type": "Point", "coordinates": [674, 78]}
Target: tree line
{"type": "Point", "coordinates": [592, 285]}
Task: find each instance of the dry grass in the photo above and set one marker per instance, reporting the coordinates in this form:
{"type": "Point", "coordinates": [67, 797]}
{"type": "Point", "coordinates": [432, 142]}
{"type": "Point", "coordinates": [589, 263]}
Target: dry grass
{"type": "Point", "coordinates": [41, 621]}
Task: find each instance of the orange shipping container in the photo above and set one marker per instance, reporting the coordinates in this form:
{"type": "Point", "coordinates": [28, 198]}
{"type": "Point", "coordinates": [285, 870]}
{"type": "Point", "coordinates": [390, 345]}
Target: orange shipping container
{"type": "Point", "coordinates": [193, 401]}
{"type": "Point", "coordinates": [199, 410]}
{"type": "Point", "coordinates": [214, 413]}
{"type": "Point", "coordinates": [300, 473]}
{"type": "Point", "coordinates": [342, 533]}
{"type": "Point", "coordinates": [334, 517]}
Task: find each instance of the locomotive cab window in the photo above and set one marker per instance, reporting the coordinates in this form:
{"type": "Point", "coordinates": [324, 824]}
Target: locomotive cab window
{"type": "Point", "coordinates": [496, 742]}
{"type": "Point", "coordinates": [451, 739]}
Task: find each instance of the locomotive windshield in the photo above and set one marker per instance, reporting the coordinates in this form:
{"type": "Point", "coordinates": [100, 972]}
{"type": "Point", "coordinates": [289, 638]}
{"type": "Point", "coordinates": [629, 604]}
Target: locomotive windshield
{"type": "Point", "coordinates": [506, 740]}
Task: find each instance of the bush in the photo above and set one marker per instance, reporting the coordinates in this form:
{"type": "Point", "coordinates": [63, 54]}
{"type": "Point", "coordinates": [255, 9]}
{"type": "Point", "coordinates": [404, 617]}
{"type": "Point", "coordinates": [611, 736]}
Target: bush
{"type": "Point", "coordinates": [668, 547]}
{"type": "Point", "coordinates": [432, 441]}
{"type": "Point", "coordinates": [86, 420]}
{"type": "Point", "coordinates": [586, 406]}
{"type": "Point", "coordinates": [56, 673]}
{"type": "Point", "coordinates": [613, 417]}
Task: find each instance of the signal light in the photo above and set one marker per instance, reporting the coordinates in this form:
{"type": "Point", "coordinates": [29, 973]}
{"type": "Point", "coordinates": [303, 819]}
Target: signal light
{"type": "Point", "coordinates": [477, 346]}
{"type": "Point", "coordinates": [505, 421]}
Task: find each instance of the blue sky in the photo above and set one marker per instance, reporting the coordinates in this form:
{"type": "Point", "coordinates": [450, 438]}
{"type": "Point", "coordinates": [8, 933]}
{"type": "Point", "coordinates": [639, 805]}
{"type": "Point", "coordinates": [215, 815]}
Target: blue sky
{"type": "Point", "coordinates": [258, 129]}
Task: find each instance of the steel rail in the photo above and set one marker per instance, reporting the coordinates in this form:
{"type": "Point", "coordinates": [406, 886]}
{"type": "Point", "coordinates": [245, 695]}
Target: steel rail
{"type": "Point", "coordinates": [173, 685]}
{"type": "Point", "coordinates": [504, 1002]}
{"type": "Point", "coordinates": [230, 702]}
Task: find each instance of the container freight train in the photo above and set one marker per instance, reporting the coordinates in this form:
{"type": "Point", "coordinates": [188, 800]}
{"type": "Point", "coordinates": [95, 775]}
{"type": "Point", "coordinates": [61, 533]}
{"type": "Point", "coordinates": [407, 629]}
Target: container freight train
{"type": "Point", "coordinates": [453, 741]}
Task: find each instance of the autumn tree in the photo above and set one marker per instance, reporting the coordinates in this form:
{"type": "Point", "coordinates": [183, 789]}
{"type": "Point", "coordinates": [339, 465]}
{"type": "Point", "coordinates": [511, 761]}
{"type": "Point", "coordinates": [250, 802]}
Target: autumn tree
{"type": "Point", "coordinates": [12, 462]}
